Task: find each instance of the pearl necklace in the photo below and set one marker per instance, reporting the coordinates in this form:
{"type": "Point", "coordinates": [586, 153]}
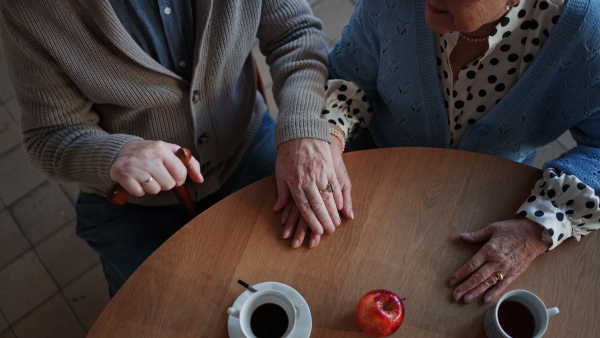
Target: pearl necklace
{"type": "Point", "coordinates": [473, 39]}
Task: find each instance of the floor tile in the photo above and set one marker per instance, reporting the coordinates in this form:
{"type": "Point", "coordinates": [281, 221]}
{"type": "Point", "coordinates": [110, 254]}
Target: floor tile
{"type": "Point", "coordinates": [6, 89]}
{"type": "Point", "coordinates": [3, 323]}
{"type": "Point", "coordinates": [88, 296]}
{"type": "Point", "coordinates": [7, 334]}
{"type": "Point", "coordinates": [24, 284]}
{"type": "Point", "coordinates": [65, 255]}
{"type": "Point", "coordinates": [335, 14]}
{"type": "Point", "coordinates": [13, 108]}
{"type": "Point", "coordinates": [43, 211]}
{"type": "Point", "coordinates": [10, 134]}
{"type": "Point", "coordinates": [72, 191]}
{"type": "Point", "coordinates": [12, 241]}
{"type": "Point", "coordinates": [53, 319]}
{"type": "Point", "coordinates": [17, 177]}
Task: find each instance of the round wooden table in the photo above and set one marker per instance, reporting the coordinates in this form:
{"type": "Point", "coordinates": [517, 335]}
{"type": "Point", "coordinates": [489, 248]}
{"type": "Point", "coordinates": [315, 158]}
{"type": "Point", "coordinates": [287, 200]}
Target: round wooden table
{"type": "Point", "coordinates": [410, 205]}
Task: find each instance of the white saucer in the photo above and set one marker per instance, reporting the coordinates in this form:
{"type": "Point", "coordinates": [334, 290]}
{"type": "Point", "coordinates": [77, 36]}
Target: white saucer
{"type": "Point", "coordinates": [303, 319]}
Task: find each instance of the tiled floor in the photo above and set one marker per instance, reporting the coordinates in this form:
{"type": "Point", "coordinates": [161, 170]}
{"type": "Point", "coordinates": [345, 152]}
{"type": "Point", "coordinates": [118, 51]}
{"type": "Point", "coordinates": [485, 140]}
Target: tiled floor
{"type": "Point", "coordinates": [51, 283]}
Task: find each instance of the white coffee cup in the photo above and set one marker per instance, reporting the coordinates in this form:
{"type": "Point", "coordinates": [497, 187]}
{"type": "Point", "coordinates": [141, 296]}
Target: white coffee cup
{"type": "Point", "coordinates": [539, 312]}
{"type": "Point", "coordinates": [262, 297]}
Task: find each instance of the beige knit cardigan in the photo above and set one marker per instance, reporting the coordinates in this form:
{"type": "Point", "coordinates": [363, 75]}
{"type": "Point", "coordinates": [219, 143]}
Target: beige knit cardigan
{"type": "Point", "coordinates": [86, 88]}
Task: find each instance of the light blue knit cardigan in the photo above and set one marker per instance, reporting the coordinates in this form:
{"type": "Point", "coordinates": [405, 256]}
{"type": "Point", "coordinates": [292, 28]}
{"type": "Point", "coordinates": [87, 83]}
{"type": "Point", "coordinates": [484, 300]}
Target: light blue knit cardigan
{"type": "Point", "coordinates": [389, 51]}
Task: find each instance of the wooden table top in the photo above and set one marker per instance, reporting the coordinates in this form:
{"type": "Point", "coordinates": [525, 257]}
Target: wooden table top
{"type": "Point", "coordinates": [410, 205]}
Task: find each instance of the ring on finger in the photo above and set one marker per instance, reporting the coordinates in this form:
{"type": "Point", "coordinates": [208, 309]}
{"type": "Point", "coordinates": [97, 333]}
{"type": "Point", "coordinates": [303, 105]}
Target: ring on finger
{"type": "Point", "coordinates": [493, 279]}
{"type": "Point", "coordinates": [498, 276]}
{"type": "Point", "coordinates": [148, 180]}
{"type": "Point", "coordinates": [329, 188]}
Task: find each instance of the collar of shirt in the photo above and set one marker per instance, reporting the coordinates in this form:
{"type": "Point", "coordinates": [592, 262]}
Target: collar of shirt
{"type": "Point", "coordinates": [164, 29]}
{"type": "Point", "coordinates": [513, 44]}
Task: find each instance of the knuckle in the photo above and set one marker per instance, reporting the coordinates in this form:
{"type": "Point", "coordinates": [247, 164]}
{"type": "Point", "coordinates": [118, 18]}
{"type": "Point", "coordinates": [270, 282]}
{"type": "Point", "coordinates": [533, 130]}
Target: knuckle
{"type": "Point", "coordinates": [318, 205]}
{"type": "Point", "coordinates": [478, 277]}
{"type": "Point", "coordinates": [490, 282]}
{"type": "Point", "coordinates": [471, 267]}
{"type": "Point", "coordinates": [304, 207]}
{"type": "Point", "coordinates": [492, 247]}
{"type": "Point", "coordinates": [326, 196]}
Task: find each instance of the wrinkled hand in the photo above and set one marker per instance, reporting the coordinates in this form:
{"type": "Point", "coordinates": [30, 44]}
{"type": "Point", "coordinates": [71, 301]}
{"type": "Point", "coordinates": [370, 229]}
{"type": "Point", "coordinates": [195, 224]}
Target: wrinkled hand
{"type": "Point", "coordinates": [511, 246]}
{"type": "Point", "coordinates": [291, 215]}
{"type": "Point", "coordinates": [139, 160]}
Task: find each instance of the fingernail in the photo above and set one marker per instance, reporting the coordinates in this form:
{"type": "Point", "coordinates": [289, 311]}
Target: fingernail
{"type": "Point", "coordinates": [468, 298]}
{"type": "Point", "coordinates": [312, 244]}
{"type": "Point", "coordinates": [351, 214]}
{"type": "Point", "coordinates": [452, 282]}
{"type": "Point", "coordinates": [487, 299]}
{"type": "Point", "coordinates": [466, 234]}
{"type": "Point", "coordinates": [296, 243]}
{"type": "Point", "coordinates": [457, 296]}
{"type": "Point", "coordinates": [286, 234]}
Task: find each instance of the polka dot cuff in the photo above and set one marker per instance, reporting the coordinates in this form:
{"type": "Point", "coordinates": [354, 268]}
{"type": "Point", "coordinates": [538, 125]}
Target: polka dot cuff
{"type": "Point", "coordinates": [346, 106]}
{"type": "Point", "coordinates": [564, 205]}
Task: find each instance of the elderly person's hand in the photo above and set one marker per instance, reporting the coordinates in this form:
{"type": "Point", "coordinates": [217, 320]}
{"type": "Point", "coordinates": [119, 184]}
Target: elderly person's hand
{"type": "Point", "coordinates": [151, 166]}
{"type": "Point", "coordinates": [511, 246]}
{"type": "Point", "coordinates": [304, 171]}
{"type": "Point", "coordinates": [292, 217]}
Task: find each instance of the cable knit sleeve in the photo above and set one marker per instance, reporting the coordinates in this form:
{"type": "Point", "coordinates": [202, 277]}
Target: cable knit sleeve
{"type": "Point", "coordinates": [296, 51]}
{"type": "Point", "coordinates": [564, 205]}
{"type": "Point", "coordinates": [61, 132]}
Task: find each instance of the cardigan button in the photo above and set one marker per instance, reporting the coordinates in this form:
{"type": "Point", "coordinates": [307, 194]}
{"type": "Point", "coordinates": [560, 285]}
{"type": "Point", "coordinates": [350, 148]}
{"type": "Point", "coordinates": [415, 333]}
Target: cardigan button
{"type": "Point", "coordinates": [195, 96]}
{"type": "Point", "coordinates": [202, 138]}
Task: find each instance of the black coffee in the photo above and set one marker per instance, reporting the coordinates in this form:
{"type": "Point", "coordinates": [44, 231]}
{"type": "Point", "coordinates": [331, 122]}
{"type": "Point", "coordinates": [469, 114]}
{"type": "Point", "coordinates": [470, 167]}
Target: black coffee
{"type": "Point", "coordinates": [516, 319]}
{"type": "Point", "coordinates": [269, 321]}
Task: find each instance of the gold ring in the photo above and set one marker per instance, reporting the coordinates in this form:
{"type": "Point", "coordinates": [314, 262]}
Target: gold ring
{"type": "Point", "coordinates": [328, 188]}
{"type": "Point", "coordinates": [499, 276]}
{"type": "Point", "coordinates": [148, 180]}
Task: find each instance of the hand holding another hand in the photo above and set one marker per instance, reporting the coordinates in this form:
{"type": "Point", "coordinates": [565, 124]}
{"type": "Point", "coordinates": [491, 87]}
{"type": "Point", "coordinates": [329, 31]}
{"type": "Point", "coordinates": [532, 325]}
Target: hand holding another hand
{"type": "Point", "coordinates": [305, 168]}
{"type": "Point", "coordinates": [150, 167]}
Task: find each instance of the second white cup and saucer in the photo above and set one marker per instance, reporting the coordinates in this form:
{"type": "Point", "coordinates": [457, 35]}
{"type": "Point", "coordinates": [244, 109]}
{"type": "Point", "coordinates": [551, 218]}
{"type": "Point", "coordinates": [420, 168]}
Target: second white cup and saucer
{"type": "Point", "coordinates": [301, 323]}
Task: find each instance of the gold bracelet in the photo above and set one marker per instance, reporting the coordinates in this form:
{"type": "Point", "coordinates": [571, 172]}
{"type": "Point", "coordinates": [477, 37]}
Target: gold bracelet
{"type": "Point", "coordinates": [340, 136]}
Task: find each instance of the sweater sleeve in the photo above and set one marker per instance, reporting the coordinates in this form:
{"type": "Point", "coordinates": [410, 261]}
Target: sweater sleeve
{"type": "Point", "coordinates": [355, 56]}
{"type": "Point", "coordinates": [61, 132]}
{"type": "Point", "coordinates": [296, 51]}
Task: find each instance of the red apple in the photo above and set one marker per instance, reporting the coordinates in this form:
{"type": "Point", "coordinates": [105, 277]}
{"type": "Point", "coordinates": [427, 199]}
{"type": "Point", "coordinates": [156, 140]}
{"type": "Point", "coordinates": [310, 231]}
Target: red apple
{"type": "Point", "coordinates": [379, 313]}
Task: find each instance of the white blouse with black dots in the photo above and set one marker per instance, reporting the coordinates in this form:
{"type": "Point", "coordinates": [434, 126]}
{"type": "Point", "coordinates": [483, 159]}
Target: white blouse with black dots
{"type": "Point", "coordinates": [565, 206]}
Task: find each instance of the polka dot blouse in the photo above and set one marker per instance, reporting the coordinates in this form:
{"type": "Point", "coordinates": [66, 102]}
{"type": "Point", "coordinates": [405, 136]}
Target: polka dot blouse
{"type": "Point", "coordinates": [561, 203]}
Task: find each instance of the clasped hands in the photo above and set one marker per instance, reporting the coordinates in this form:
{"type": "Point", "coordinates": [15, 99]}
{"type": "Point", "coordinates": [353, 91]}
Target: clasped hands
{"type": "Point", "coordinates": [313, 187]}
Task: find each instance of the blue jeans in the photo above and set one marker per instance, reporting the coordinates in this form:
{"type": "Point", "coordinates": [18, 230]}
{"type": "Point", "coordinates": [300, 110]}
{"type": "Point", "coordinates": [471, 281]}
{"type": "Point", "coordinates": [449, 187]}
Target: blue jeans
{"type": "Point", "coordinates": [125, 235]}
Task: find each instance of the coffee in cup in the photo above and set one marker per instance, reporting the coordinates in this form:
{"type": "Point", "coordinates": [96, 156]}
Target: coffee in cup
{"type": "Point", "coordinates": [518, 313]}
{"type": "Point", "coordinates": [266, 314]}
